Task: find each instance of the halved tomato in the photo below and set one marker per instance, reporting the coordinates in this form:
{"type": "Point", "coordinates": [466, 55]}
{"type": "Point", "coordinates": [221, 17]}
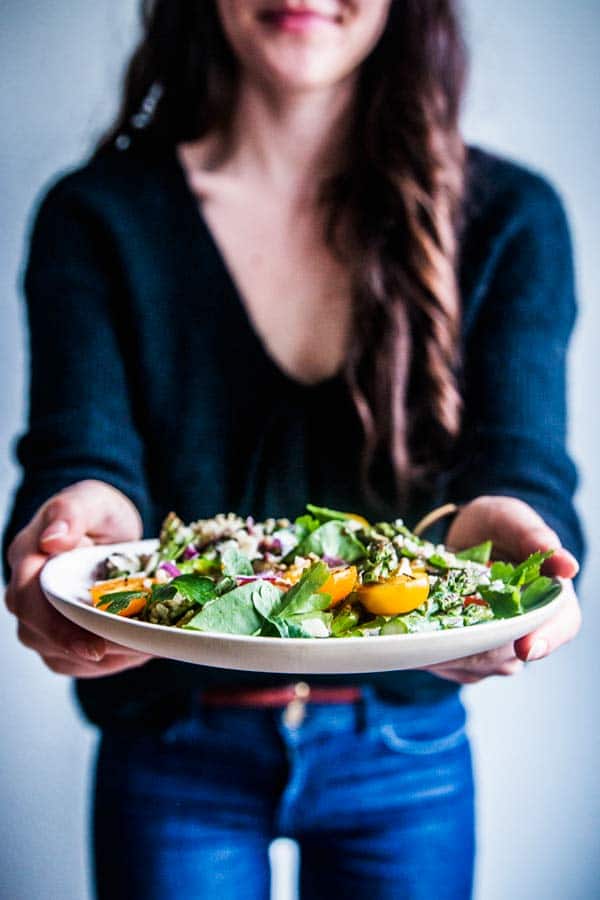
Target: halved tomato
{"type": "Point", "coordinates": [101, 589]}
{"type": "Point", "coordinates": [399, 594]}
{"type": "Point", "coordinates": [340, 583]}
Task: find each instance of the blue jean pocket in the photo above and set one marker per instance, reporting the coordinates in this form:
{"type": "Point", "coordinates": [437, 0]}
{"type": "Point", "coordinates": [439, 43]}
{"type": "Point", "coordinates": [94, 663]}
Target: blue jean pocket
{"type": "Point", "coordinates": [421, 730]}
{"type": "Point", "coordinates": [421, 746]}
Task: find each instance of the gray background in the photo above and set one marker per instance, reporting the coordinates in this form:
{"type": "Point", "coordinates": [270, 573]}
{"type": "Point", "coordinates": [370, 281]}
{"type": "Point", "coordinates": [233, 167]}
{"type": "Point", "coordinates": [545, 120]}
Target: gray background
{"type": "Point", "coordinates": [536, 69]}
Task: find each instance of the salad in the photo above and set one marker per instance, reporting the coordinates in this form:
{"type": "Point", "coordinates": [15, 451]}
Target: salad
{"type": "Point", "coordinates": [329, 574]}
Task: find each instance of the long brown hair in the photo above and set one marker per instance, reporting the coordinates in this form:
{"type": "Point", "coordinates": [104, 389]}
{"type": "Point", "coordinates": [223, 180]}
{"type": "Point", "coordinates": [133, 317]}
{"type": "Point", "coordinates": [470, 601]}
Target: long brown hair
{"type": "Point", "coordinates": [392, 212]}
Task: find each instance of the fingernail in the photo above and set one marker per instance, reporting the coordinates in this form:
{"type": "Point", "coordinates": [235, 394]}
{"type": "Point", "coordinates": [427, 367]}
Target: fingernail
{"type": "Point", "coordinates": [89, 652]}
{"type": "Point", "coordinates": [538, 650]}
{"type": "Point", "coordinates": [573, 561]}
{"type": "Point", "coordinates": [55, 530]}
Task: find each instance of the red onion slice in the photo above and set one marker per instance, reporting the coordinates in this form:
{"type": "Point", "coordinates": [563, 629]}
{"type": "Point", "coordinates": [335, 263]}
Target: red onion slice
{"type": "Point", "coordinates": [171, 568]}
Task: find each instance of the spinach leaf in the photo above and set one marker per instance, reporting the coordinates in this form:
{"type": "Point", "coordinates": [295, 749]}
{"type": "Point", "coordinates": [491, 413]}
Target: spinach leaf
{"type": "Point", "coordinates": [305, 603]}
{"type": "Point", "coordinates": [235, 563]}
{"type": "Point", "coordinates": [480, 553]}
{"type": "Point", "coordinates": [333, 539]}
{"type": "Point", "coordinates": [530, 568]}
{"type": "Point", "coordinates": [323, 514]}
{"type": "Point", "coordinates": [300, 612]}
{"type": "Point", "coordinates": [162, 592]}
{"type": "Point", "coordinates": [522, 574]}
{"type": "Point", "coordinates": [313, 625]}
{"type": "Point", "coordinates": [234, 612]}
{"type": "Point", "coordinates": [501, 571]}
{"type": "Point", "coordinates": [505, 600]}
{"type": "Point", "coordinates": [299, 598]}
{"type": "Point", "coordinates": [303, 526]}
{"type": "Point", "coordinates": [198, 588]}
{"type": "Point", "coordinates": [267, 601]}
{"type": "Point", "coordinates": [538, 592]}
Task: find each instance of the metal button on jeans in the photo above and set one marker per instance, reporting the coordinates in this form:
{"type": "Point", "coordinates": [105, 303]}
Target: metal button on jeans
{"type": "Point", "coordinates": [295, 711]}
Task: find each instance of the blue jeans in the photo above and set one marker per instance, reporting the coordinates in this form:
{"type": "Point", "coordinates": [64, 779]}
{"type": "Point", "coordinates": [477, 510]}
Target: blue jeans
{"type": "Point", "coordinates": [378, 796]}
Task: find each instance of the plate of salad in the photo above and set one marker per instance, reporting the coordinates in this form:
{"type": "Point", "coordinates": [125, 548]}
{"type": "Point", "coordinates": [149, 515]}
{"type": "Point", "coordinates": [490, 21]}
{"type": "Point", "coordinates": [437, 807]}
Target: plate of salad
{"type": "Point", "coordinates": [329, 593]}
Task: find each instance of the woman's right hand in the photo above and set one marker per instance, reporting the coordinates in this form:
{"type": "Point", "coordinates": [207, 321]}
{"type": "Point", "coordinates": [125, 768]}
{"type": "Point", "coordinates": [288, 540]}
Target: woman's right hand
{"type": "Point", "coordinates": [88, 512]}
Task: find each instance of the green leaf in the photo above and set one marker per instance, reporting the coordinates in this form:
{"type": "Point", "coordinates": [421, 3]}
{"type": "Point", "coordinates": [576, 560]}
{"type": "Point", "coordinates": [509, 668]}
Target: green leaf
{"type": "Point", "coordinates": [303, 526]}
{"type": "Point", "coordinates": [119, 600]}
{"type": "Point", "coordinates": [299, 598]}
{"type": "Point", "coordinates": [530, 568]}
{"type": "Point", "coordinates": [267, 598]}
{"type": "Point", "coordinates": [269, 629]}
{"type": "Point", "coordinates": [290, 614]}
{"type": "Point", "coordinates": [333, 539]}
{"type": "Point", "coordinates": [162, 592]}
{"type": "Point", "coordinates": [439, 562]}
{"type": "Point", "coordinates": [539, 592]}
{"type": "Point", "coordinates": [505, 601]}
{"type": "Point", "coordinates": [306, 605]}
{"type": "Point", "coordinates": [235, 563]}
{"type": "Point", "coordinates": [198, 588]}
{"type": "Point", "coordinates": [314, 625]}
{"type": "Point", "coordinates": [234, 612]}
{"type": "Point", "coordinates": [481, 553]}
{"type": "Point", "coordinates": [501, 571]}
{"type": "Point", "coordinates": [522, 574]}
{"type": "Point", "coordinates": [323, 514]}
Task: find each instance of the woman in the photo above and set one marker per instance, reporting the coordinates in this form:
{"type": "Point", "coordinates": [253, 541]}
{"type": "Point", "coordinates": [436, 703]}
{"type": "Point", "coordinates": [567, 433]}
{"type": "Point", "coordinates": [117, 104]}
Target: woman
{"type": "Point", "coordinates": [283, 277]}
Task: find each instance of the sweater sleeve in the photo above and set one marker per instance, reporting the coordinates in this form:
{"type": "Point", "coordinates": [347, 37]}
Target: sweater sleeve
{"type": "Point", "coordinates": [80, 422]}
{"type": "Point", "coordinates": [515, 366]}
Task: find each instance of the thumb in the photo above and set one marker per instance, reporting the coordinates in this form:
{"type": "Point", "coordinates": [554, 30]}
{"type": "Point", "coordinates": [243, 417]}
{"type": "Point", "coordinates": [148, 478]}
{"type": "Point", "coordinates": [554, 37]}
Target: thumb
{"type": "Point", "coordinates": [518, 530]}
{"type": "Point", "coordinates": [87, 510]}
{"type": "Point", "coordinates": [532, 534]}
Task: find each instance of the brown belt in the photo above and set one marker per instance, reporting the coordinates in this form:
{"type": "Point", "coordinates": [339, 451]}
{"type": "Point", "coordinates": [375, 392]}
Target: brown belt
{"type": "Point", "coordinates": [279, 696]}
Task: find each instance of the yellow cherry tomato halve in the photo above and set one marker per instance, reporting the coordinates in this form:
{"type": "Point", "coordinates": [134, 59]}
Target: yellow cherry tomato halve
{"type": "Point", "coordinates": [400, 594]}
{"type": "Point", "coordinates": [101, 591]}
{"type": "Point", "coordinates": [340, 583]}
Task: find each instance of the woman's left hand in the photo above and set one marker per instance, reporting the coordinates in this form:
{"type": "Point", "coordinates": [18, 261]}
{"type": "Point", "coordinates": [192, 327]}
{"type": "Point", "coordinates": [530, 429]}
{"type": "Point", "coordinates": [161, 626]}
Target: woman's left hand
{"type": "Point", "coordinates": [516, 530]}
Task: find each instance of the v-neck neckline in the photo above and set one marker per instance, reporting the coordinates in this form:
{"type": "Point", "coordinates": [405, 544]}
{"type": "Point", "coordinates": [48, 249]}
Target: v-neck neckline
{"type": "Point", "coordinates": [194, 206]}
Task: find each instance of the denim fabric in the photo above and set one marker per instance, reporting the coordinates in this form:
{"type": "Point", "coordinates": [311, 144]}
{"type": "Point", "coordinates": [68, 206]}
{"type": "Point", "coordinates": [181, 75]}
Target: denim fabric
{"type": "Point", "coordinates": [379, 797]}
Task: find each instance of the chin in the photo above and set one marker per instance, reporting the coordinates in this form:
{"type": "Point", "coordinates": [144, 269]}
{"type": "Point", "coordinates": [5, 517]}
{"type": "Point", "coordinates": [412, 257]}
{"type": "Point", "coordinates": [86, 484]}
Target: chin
{"type": "Point", "coordinates": [301, 70]}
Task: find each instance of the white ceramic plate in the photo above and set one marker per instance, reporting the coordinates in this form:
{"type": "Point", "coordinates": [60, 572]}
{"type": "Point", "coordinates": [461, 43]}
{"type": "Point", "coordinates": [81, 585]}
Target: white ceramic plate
{"type": "Point", "coordinates": [65, 580]}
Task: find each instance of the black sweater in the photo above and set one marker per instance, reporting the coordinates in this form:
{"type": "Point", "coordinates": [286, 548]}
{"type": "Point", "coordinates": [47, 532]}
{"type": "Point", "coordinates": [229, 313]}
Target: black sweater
{"type": "Point", "coordinates": [147, 374]}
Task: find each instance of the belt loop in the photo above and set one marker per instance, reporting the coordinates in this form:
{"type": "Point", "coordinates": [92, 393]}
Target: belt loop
{"type": "Point", "coordinates": [367, 710]}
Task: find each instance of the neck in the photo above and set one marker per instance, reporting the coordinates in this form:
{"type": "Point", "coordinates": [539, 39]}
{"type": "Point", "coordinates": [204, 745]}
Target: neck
{"type": "Point", "coordinates": [293, 141]}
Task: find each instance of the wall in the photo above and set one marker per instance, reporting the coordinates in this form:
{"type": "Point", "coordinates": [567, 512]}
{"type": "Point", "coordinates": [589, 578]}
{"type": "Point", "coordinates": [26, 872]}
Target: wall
{"type": "Point", "coordinates": [536, 738]}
